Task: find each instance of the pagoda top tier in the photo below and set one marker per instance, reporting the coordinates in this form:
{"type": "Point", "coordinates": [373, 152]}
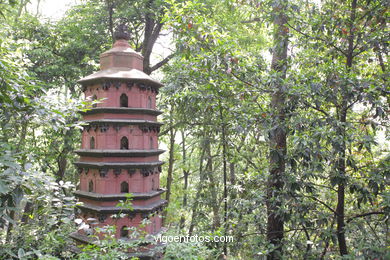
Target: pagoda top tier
{"type": "Point", "coordinates": [120, 63]}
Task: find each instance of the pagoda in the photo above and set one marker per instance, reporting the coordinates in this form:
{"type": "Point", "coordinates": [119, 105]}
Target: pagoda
{"type": "Point", "coordinates": [119, 149]}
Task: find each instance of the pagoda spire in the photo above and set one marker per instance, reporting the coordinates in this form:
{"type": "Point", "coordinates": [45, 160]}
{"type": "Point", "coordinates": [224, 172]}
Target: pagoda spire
{"type": "Point", "coordinates": [122, 32]}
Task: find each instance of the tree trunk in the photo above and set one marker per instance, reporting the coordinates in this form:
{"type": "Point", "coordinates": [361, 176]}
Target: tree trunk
{"type": "Point", "coordinates": [185, 178]}
{"type": "Point", "coordinates": [225, 192]}
{"type": "Point", "coordinates": [10, 226]}
{"type": "Point", "coordinates": [22, 5]}
{"type": "Point", "coordinates": [62, 159]}
{"type": "Point", "coordinates": [212, 186]}
{"type": "Point", "coordinates": [278, 134]}
{"type": "Point", "coordinates": [198, 193]}
{"type": "Point", "coordinates": [341, 131]}
{"type": "Point", "coordinates": [28, 209]}
{"type": "Point", "coordinates": [171, 160]}
{"type": "Point", "coordinates": [37, 10]}
{"type": "Point", "coordinates": [110, 9]}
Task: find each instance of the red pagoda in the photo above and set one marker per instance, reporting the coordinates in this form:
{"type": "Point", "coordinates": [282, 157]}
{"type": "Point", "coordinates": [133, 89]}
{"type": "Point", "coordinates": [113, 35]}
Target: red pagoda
{"type": "Point", "coordinates": [120, 152]}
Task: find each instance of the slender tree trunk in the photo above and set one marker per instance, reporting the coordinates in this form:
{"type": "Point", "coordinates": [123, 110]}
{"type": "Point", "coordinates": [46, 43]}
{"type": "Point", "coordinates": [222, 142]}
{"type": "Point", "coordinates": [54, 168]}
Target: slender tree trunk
{"type": "Point", "coordinates": [278, 134]}
{"type": "Point", "coordinates": [171, 160]}
{"type": "Point", "coordinates": [185, 178]}
{"type": "Point", "coordinates": [62, 160]}
{"type": "Point", "coordinates": [23, 133]}
{"type": "Point", "coordinates": [110, 9]}
{"type": "Point", "coordinates": [148, 32]}
{"type": "Point", "coordinates": [225, 193]}
{"type": "Point", "coordinates": [212, 186]}
{"type": "Point", "coordinates": [38, 5]}
{"type": "Point", "coordinates": [341, 169]}
{"type": "Point", "coordinates": [28, 208]}
{"type": "Point", "coordinates": [22, 138]}
{"type": "Point", "coordinates": [22, 4]}
{"type": "Point", "coordinates": [198, 193]}
{"type": "Point", "coordinates": [341, 165]}
{"type": "Point", "coordinates": [232, 169]}
{"type": "Point", "coordinates": [10, 225]}
{"type": "Point", "coordinates": [380, 58]}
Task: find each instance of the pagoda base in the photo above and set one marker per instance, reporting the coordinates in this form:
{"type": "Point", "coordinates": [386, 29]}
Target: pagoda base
{"type": "Point", "coordinates": [149, 252]}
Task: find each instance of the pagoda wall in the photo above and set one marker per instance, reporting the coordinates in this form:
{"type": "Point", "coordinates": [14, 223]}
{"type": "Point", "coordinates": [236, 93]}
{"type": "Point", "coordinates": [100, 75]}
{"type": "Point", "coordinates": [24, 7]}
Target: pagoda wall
{"type": "Point", "coordinates": [111, 183]}
{"type": "Point", "coordinates": [111, 138]}
{"type": "Point", "coordinates": [138, 94]}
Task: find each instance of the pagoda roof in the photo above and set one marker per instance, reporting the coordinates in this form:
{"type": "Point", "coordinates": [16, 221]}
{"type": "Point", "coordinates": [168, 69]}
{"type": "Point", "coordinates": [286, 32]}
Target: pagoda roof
{"type": "Point", "coordinates": [122, 110]}
{"type": "Point", "coordinates": [119, 196]}
{"type": "Point", "coordinates": [116, 165]}
{"type": "Point", "coordinates": [123, 121]}
{"type": "Point", "coordinates": [118, 153]}
{"type": "Point", "coordinates": [135, 208]}
{"type": "Point", "coordinates": [120, 73]}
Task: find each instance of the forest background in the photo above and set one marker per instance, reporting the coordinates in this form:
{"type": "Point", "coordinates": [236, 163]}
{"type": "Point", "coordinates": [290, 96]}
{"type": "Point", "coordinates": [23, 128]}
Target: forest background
{"type": "Point", "coordinates": [276, 121]}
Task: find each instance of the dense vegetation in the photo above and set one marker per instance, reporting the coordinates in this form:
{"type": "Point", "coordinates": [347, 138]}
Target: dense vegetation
{"type": "Point", "coordinates": [276, 124]}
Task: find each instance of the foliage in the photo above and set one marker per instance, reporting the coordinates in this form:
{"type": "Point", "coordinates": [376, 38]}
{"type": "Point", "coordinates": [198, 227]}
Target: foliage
{"type": "Point", "coordinates": [217, 71]}
{"type": "Point", "coordinates": [218, 116]}
{"type": "Point", "coordinates": [193, 251]}
{"type": "Point", "coordinates": [33, 204]}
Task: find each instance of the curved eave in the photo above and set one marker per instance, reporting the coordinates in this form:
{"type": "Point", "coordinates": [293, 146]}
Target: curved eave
{"type": "Point", "coordinates": [118, 153]}
{"type": "Point", "coordinates": [122, 110]}
{"type": "Point", "coordinates": [123, 74]}
{"type": "Point", "coordinates": [118, 165]}
{"type": "Point", "coordinates": [116, 197]}
{"type": "Point", "coordinates": [123, 122]}
{"type": "Point", "coordinates": [113, 210]}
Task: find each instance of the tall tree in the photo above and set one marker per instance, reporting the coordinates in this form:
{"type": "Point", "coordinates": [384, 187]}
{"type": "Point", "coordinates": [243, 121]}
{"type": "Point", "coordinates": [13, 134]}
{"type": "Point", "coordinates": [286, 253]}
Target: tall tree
{"type": "Point", "coordinates": [343, 82]}
{"type": "Point", "coordinates": [278, 133]}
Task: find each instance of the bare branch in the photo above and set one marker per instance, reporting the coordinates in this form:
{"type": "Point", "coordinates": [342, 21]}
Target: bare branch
{"type": "Point", "coordinates": [316, 38]}
{"type": "Point", "coordinates": [323, 203]}
{"type": "Point", "coordinates": [163, 62]}
{"type": "Point", "coordinates": [365, 215]}
{"type": "Point", "coordinates": [257, 19]}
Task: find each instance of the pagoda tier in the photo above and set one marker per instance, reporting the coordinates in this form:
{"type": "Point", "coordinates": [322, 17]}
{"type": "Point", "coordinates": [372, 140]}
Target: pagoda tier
{"type": "Point", "coordinates": [119, 151]}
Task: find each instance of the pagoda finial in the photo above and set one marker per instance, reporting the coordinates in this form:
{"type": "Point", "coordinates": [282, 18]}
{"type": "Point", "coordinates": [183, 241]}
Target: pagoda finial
{"type": "Point", "coordinates": [122, 32]}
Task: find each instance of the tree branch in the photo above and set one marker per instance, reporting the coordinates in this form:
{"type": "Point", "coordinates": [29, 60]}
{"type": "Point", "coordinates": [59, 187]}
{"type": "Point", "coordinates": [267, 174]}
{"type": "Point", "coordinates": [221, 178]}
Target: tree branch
{"type": "Point", "coordinates": [317, 108]}
{"type": "Point", "coordinates": [323, 203]}
{"type": "Point", "coordinates": [163, 62]}
{"type": "Point", "coordinates": [316, 38]}
{"type": "Point", "coordinates": [365, 215]}
{"type": "Point", "coordinates": [257, 19]}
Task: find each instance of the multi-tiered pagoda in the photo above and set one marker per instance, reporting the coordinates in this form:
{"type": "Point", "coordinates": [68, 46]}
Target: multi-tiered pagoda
{"type": "Point", "coordinates": [120, 152]}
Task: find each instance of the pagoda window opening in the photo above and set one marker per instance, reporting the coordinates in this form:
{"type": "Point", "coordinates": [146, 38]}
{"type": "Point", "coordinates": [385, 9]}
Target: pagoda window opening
{"type": "Point", "coordinates": [123, 100]}
{"type": "Point", "coordinates": [124, 143]}
{"type": "Point", "coordinates": [124, 232]}
{"type": "Point", "coordinates": [124, 187]}
{"type": "Point", "coordinates": [94, 98]}
{"type": "Point", "coordinates": [92, 143]}
{"type": "Point", "coordinates": [151, 142]}
{"type": "Point", "coordinates": [90, 186]}
{"type": "Point", "coordinates": [149, 102]}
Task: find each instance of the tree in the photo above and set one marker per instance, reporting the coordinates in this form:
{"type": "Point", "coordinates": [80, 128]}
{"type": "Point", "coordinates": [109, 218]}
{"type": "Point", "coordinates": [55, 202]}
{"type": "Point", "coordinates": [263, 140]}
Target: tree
{"type": "Point", "coordinates": [145, 21]}
{"type": "Point", "coordinates": [278, 133]}
{"type": "Point", "coordinates": [342, 82]}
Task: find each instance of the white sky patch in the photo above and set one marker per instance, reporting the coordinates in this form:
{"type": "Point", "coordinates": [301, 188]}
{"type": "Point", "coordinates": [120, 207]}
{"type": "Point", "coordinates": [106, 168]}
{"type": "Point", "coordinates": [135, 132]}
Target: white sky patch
{"type": "Point", "coordinates": [51, 9]}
